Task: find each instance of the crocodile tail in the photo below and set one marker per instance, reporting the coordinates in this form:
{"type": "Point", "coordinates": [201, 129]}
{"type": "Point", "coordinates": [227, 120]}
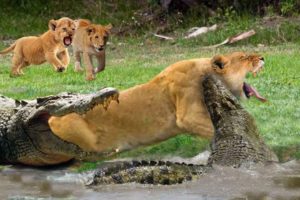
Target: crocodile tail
{"type": "Point", "coordinates": [9, 49]}
{"type": "Point", "coordinates": [146, 172]}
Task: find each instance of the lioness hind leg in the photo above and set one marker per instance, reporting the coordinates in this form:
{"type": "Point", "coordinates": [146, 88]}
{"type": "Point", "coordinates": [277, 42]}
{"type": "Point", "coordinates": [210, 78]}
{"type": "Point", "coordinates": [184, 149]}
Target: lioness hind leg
{"type": "Point", "coordinates": [72, 128]}
{"type": "Point", "coordinates": [22, 67]}
{"type": "Point", "coordinates": [17, 64]}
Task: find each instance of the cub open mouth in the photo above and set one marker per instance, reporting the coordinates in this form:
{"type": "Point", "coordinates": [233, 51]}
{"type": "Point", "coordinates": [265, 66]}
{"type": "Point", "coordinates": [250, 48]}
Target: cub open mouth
{"type": "Point", "coordinates": [67, 41]}
{"type": "Point", "coordinates": [99, 49]}
{"type": "Point", "coordinates": [251, 91]}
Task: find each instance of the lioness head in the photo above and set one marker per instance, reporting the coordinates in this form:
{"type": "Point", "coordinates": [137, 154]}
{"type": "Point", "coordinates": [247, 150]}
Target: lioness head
{"type": "Point", "coordinates": [233, 69]}
{"type": "Point", "coordinates": [63, 29]}
{"type": "Point", "coordinates": [98, 36]}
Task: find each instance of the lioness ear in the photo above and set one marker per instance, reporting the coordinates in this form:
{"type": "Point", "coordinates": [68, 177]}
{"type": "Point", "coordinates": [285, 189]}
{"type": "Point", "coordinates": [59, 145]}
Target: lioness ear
{"type": "Point", "coordinates": [108, 28]}
{"type": "Point", "coordinates": [219, 61]}
{"type": "Point", "coordinates": [81, 22]}
{"type": "Point", "coordinates": [90, 29]}
{"type": "Point", "coordinates": [52, 25]}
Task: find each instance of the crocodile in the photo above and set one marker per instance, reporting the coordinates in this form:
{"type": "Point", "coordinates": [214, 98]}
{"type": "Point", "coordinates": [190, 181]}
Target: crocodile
{"type": "Point", "coordinates": [236, 143]}
{"type": "Point", "coordinates": [25, 136]}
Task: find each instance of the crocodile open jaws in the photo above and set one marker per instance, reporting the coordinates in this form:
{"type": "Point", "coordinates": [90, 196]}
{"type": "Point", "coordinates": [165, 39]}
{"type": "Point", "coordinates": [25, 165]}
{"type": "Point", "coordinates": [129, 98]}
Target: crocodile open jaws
{"type": "Point", "coordinates": [25, 136]}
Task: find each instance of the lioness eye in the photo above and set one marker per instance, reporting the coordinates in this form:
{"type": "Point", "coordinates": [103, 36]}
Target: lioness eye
{"type": "Point", "coordinates": [96, 37]}
{"type": "Point", "coordinates": [64, 29]}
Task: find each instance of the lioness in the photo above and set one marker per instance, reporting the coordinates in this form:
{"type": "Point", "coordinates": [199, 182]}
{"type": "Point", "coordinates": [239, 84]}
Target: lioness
{"type": "Point", "coordinates": [90, 40]}
{"type": "Point", "coordinates": [169, 104]}
{"type": "Point", "coordinates": [50, 46]}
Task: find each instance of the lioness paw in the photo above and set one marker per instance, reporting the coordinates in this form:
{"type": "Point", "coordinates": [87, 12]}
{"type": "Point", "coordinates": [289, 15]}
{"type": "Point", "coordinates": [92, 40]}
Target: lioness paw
{"type": "Point", "coordinates": [98, 69]}
{"type": "Point", "coordinates": [60, 69]}
{"type": "Point", "coordinates": [90, 77]}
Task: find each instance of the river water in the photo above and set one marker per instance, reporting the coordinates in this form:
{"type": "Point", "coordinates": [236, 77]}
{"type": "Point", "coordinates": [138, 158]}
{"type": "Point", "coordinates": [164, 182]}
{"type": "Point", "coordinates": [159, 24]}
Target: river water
{"type": "Point", "coordinates": [274, 181]}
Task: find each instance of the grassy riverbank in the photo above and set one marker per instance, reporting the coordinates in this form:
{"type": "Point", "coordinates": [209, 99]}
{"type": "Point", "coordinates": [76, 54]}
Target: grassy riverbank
{"type": "Point", "coordinates": [136, 56]}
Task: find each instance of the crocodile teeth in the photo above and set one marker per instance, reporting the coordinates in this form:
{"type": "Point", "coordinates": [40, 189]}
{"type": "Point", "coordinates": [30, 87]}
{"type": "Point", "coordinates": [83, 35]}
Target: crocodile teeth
{"type": "Point", "coordinates": [115, 97]}
{"type": "Point", "coordinates": [106, 102]}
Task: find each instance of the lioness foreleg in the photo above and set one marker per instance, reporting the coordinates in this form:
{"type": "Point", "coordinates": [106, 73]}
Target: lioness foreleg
{"type": "Point", "coordinates": [77, 67]}
{"type": "Point", "coordinates": [101, 62]}
{"type": "Point", "coordinates": [88, 66]}
{"type": "Point", "coordinates": [64, 58]}
{"type": "Point", "coordinates": [192, 117]}
{"type": "Point", "coordinates": [56, 63]}
{"type": "Point", "coordinates": [74, 129]}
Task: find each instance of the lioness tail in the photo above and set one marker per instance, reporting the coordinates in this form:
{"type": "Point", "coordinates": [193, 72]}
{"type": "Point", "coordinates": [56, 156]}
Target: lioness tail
{"type": "Point", "coordinates": [9, 49]}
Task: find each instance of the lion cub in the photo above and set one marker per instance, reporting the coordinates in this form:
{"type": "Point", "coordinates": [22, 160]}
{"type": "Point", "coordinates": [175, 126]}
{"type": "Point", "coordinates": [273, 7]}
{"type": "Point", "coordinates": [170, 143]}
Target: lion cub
{"type": "Point", "coordinates": [50, 46]}
{"type": "Point", "coordinates": [90, 40]}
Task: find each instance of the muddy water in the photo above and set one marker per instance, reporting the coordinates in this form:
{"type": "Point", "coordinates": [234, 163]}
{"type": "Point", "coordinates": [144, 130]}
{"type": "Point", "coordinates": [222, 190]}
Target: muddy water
{"type": "Point", "coordinates": [280, 182]}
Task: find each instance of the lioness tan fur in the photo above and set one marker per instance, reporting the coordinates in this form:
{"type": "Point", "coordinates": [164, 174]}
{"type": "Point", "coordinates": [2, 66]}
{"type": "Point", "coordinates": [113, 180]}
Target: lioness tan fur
{"type": "Point", "coordinates": [50, 46]}
{"type": "Point", "coordinates": [169, 104]}
{"type": "Point", "coordinates": [90, 40]}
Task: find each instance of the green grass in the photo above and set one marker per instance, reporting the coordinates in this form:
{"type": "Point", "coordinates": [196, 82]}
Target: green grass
{"type": "Point", "coordinates": [86, 166]}
{"type": "Point", "coordinates": [129, 64]}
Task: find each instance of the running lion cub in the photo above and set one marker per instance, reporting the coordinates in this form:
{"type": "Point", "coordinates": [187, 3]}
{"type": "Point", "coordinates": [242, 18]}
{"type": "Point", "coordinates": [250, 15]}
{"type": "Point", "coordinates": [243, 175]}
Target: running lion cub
{"type": "Point", "coordinates": [50, 46]}
{"type": "Point", "coordinates": [90, 40]}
